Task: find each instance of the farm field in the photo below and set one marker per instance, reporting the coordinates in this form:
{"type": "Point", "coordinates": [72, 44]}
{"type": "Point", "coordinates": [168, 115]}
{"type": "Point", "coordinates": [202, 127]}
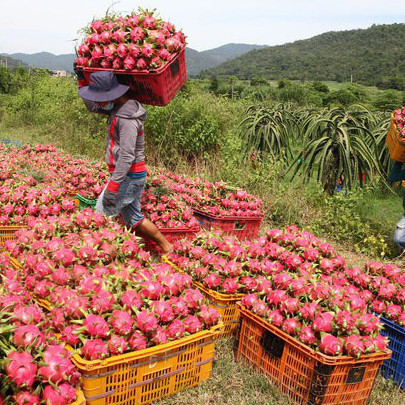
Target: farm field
{"type": "Point", "coordinates": [226, 138]}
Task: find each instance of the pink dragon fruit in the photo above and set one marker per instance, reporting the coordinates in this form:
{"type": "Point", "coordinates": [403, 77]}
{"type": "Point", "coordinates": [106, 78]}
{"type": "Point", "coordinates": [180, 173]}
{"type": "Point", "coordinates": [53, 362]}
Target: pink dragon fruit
{"type": "Point", "coordinates": [121, 321]}
{"type": "Point", "coordinates": [94, 349]}
{"type": "Point", "coordinates": [137, 341]}
{"type": "Point", "coordinates": [70, 336]}
{"type": "Point", "coordinates": [117, 345]}
{"type": "Point", "coordinates": [103, 302]}
{"type": "Point", "coordinates": [25, 398]}
{"type": "Point", "coordinates": [58, 365]}
{"type": "Point", "coordinates": [323, 322]}
{"type": "Point", "coordinates": [307, 336]}
{"type": "Point", "coordinates": [146, 321]}
{"type": "Point", "coordinates": [192, 324]}
{"type": "Point", "coordinates": [292, 326]}
{"type": "Point", "coordinates": [179, 306]}
{"type": "Point", "coordinates": [193, 298]}
{"type": "Point", "coordinates": [309, 310]}
{"type": "Point", "coordinates": [249, 300]}
{"type": "Point", "coordinates": [159, 336]}
{"type": "Point", "coordinates": [330, 345]}
{"type": "Point", "coordinates": [393, 311]}
{"type": "Point", "coordinates": [208, 316]}
{"type": "Point", "coordinates": [354, 346]}
{"type": "Point", "coordinates": [290, 306]}
{"type": "Point", "coordinates": [21, 369]}
{"type": "Point", "coordinates": [163, 311]}
{"type": "Point", "coordinates": [28, 335]}
{"type": "Point", "coordinates": [175, 330]}
{"type": "Point", "coordinates": [276, 318]}
{"type": "Point", "coordinates": [96, 326]}
{"type": "Point", "coordinates": [345, 321]}
{"type": "Point", "coordinates": [63, 394]}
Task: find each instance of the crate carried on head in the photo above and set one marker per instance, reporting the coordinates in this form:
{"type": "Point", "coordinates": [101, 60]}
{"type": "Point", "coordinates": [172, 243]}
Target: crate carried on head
{"type": "Point", "coordinates": [154, 87]}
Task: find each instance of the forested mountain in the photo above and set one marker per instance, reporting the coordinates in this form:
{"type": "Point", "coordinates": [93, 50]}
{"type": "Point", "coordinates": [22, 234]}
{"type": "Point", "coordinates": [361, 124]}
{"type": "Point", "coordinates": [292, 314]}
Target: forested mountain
{"type": "Point", "coordinates": [196, 61]}
{"type": "Point", "coordinates": [364, 55]}
{"type": "Point", "coordinates": [11, 63]}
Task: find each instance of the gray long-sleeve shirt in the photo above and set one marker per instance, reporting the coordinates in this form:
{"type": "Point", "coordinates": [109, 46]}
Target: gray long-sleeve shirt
{"type": "Point", "coordinates": [125, 152]}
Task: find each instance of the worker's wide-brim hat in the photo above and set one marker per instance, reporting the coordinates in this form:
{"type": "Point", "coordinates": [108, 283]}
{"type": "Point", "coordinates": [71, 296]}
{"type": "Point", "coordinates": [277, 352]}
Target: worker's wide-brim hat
{"type": "Point", "coordinates": [103, 87]}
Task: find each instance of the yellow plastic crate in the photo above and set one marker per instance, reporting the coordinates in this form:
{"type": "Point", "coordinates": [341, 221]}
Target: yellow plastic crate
{"type": "Point", "coordinates": [80, 400]}
{"type": "Point", "coordinates": [145, 376]}
{"type": "Point", "coordinates": [8, 233]}
{"type": "Point", "coordinates": [225, 304]}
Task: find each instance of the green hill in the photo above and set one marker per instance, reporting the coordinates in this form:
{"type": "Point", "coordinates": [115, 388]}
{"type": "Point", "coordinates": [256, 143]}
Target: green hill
{"type": "Point", "coordinates": [366, 56]}
{"type": "Point", "coordinates": [12, 63]}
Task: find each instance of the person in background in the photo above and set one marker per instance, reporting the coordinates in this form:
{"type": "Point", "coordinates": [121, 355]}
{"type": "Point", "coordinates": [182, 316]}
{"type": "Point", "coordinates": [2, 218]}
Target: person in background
{"type": "Point", "coordinates": [125, 155]}
{"type": "Point", "coordinates": [397, 174]}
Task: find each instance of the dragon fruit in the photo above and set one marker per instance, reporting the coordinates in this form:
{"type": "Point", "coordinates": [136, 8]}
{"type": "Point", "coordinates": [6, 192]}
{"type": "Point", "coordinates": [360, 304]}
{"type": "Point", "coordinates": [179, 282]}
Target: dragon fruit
{"type": "Point", "coordinates": [94, 349]}
{"type": "Point", "coordinates": [28, 335]}
{"type": "Point", "coordinates": [323, 322]}
{"type": "Point", "coordinates": [25, 398]}
{"type": "Point", "coordinates": [96, 326]}
{"type": "Point", "coordinates": [121, 321]}
{"type": "Point", "coordinates": [354, 345]}
{"type": "Point", "coordinates": [307, 336]}
{"type": "Point", "coordinates": [330, 345]}
{"type": "Point", "coordinates": [175, 330]}
{"type": "Point", "coordinates": [137, 341]}
{"type": "Point", "coordinates": [62, 394]}
{"type": "Point", "coordinates": [192, 324]}
{"type": "Point", "coordinates": [146, 321]}
{"type": "Point", "coordinates": [117, 345]}
{"type": "Point", "coordinates": [21, 369]}
{"type": "Point", "coordinates": [58, 365]}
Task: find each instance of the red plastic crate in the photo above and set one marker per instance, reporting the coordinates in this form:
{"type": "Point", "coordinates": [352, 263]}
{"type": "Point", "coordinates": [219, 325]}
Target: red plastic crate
{"type": "Point", "coordinates": [242, 227]}
{"type": "Point", "coordinates": [171, 234]}
{"type": "Point", "coordinates": [307, 376]}
{"type": "Point", "coordinates": [154, 87]}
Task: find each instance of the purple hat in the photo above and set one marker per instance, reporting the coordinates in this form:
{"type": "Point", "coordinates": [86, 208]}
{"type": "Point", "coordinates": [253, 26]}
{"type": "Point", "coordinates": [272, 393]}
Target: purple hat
{"type": "Point", "coordinates": [103, 87]}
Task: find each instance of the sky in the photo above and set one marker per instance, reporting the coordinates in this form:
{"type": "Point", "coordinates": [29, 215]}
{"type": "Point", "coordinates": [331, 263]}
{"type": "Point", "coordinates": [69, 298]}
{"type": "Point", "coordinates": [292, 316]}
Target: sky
{"type": "Point", "coordinates": [31, 26]}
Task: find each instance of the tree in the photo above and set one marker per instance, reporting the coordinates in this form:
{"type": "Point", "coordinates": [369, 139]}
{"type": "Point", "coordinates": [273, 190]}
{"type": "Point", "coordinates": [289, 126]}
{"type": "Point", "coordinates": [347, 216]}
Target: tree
{"type": "Point", "coordinates": [388, 100]}
{"type": "Point", "coordinates": [214, 84]}
{"type": "Point", "coordinates": [258, 81]}
{"type": "Point", "coordinates": [320, 87]}
{"type": "Point", "coordinates": [232, 80]}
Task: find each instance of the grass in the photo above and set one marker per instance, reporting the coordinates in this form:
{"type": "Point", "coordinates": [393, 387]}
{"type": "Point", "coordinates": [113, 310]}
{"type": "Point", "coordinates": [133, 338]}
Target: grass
{"type": "Point", "coordinates": [230, 383]}
{"type": "Point", "coordinates": [237, 383]}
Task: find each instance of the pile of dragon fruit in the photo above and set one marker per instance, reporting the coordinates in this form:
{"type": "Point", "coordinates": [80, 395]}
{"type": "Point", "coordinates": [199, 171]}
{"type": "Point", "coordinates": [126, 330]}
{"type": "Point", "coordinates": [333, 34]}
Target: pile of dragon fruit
{"type": "Point", "coordinates": [22, 199]}
{"type": "Point", "coordinates": [50, 165]}
{"type": "Point", "coordinates": [106, 294]}
{"type": "Point", "coordinates": [35, 367]}
{"type": "Point", "coordinates": [139, 41]}
{"type": "Point", "coordinates": [399, 120]}
{"type": "Point", "coordinates": [164, 209]}
{"type": "Point", "coordinates": [294, 281]}
{"type": "Point", "coordinates": [217, 199]}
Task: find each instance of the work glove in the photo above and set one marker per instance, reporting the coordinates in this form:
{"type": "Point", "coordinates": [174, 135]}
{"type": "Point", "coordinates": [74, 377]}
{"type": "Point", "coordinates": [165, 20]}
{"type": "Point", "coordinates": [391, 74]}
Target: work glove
{"type": "Point", "coordinates": [110, 202]}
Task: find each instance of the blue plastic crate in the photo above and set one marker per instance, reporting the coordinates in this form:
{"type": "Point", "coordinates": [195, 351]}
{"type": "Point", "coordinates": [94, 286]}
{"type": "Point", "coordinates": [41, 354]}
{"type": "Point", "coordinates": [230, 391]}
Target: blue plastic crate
{"type": "Point", "coordinates": [394, 368]}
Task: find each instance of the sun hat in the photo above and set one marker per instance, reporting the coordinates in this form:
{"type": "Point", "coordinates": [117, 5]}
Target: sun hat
{"type": "Point", "coordinates": [103, 87]}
